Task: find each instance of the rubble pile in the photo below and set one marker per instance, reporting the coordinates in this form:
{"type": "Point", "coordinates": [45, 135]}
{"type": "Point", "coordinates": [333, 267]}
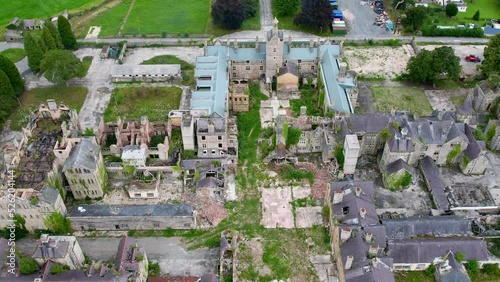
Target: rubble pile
{"type": "Point", "coordinates": [321, 179]}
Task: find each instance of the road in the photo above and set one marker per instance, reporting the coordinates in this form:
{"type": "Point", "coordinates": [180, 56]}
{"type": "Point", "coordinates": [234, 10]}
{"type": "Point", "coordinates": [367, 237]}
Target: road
{"type": "Point", "coordinates": [171, 253]}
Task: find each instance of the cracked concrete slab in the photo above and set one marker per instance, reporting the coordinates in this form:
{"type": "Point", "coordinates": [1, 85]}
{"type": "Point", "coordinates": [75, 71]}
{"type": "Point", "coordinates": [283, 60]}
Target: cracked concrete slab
{"type": "Point", "coordinates": [307, 217]}
{"type": "Point", "coordinates": [276, 208]}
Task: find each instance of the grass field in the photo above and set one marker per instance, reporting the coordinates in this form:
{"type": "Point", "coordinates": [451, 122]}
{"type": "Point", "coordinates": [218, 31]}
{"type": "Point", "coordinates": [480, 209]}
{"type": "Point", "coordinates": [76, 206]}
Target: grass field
{"type": "Point", "coordinates": [402, 98]}
{"type": "Point", "coordinates": [157, 16]}
{"type": "Point", "coordinates": [73, 97]}
{"type": "Point", "coordinates": [412, 276]}
{"type": "Point", "coordinates": [134, 102]}
{"type": "Point", "coordinates": [187, 68]}
{"type": "Point", "coordinates": [110, 20]}
{"type": "Point", "coordinates": [27, 9]}
{"type": "Point", "coordinates": [488, 9]}
{"type": "Point", "coordinates": [14, 54]}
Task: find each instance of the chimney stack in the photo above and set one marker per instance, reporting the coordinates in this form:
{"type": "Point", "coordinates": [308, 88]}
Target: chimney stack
{"type": "Point", "coordinates": [303, 110]}
{"type": "Point", "coordinates": [345, 234]}
{"type": "Point", "coordinates": [368, 237]}
{"type": "Point", "coordinates": [357, 191]}
{"type": "Point", "coordinates": [348, 262]}
{"type": "Point", "coordinates": [257, 42]}
{"type": "Point", "coordinates": [373, 250]}
{"type": "Point", "coordinates": [374, 262]}
{"type": "Point", "coordinates": [235, 46]}
{"type": "Point", "coordinates": [362, 212]}
{"type": "Point", "coordinates": [338, 196]}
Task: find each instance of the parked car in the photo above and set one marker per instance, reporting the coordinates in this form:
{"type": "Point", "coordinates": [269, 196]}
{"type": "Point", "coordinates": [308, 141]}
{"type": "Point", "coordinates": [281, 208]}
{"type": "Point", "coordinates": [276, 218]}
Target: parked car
{"type": "Point", "coordinates": [472, 58]}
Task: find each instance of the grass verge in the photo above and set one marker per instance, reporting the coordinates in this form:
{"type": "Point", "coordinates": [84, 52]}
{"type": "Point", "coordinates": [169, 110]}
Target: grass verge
{"type": "Point", "coordinates": [73, 97]}
{"type": "Point", "coordinates": [14, 54]}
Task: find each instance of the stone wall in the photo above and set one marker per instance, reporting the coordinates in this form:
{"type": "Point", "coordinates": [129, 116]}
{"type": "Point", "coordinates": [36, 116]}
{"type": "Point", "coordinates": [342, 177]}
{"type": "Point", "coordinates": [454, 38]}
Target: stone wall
{"type": "Point", "coordinates": [132, 222]}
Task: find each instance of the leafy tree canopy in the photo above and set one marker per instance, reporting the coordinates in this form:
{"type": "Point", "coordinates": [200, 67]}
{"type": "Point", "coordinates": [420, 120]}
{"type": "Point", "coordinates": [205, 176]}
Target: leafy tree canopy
{"type": "Point", "coordinates": [428, 66]}
{"type": "Point", "coordinates": [286, 7]}
{"type": "Point", "coordinates": [7, 97]}
{"type": "Point", "coordinates": [60, 66]}
{"type": "Point", "coordinates": [48, 39]}
{"type": "Point", "coordinates": [228, 14]}
{"type": "Point", "coordinates": [12, 73]}
{"type": "Point", "coordinates": [28, 265]}
{"type": "Point", "coordinates": [58, 223]}
{"type": "Point", "coordinates": [414, 18]}
{"type": "Point", "coordinates": [491, 63]}
{"type": "Point", "coordinates": [451, 9]}
{"type": "Point", "coordinates": [316, 14]}
{"type": "Point", "coordinates": [55, 34]}
{"type": "Point", "coordinates": [476, 15]}
{"type": "Point", "coordinates": [64, 27]}
{"type": "Point", "coordinates": [33, 52]}
{"type": "Point", "coordinates": [402, 4]}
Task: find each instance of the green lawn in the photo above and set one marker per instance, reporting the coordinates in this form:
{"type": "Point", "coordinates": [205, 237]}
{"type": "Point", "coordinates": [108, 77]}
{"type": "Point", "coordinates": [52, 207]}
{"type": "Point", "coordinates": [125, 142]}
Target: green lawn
{"type": "Point", "coordinates": [73, 97]}
{"type": "Point", "coordinates": [87, 61]}
{"type": "Point", "coordinates": [403, 98]}
{"type": "Point", "coordinates": [157, 16]}
{"type": "Point", "coordinates": [26, 9]}
{"type": "Point", "coordinates": [14, 54]}
{"type": "Point", "coordinates": [168, 59]}
{"type": "Point", "coordinates": [134, 102]}
{"type": "Point", "coordinates": [308, 98]}
{"type": "Point", "coordinates": [488, 9]}
{"type": "Point", "coordinates": [412, 276]}
{"type": "Point", "coordinates": [110, 20]}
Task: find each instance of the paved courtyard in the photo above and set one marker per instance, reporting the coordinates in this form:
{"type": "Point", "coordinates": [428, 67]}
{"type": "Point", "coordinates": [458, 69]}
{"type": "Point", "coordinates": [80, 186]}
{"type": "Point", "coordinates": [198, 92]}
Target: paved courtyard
{"type": "Point", "coordinates": [276, 208]}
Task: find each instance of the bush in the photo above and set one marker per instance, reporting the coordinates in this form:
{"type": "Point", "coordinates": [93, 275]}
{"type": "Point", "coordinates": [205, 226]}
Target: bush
{"type": "Point", "coordinates": [58, 268]}
{"type": "Point", "coordinates": [454, 32]}
{"type": "Point", "coordinates": [154, 269]}
{"type": "Point", "coordinates": [476, 16]}
{"type": "Point", "coordinates": [491, 269]}
{"type": "Point", "coordinates": [460, 257]}
{"type": "Point", "coordinates": [27, 265]}
{"type": "Point", "coordinates": [472, 267]}
{"type": "Point", "coordinates": [430, 270]}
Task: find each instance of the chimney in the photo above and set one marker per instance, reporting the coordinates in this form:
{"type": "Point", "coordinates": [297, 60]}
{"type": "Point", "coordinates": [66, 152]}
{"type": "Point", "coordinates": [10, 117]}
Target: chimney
{"type": "Point", "coordinates": [374, 262]}
{"type": "Point", "coordinates": [393, 111]}
{"type": "Point", "coordinates": [404, 132]}
{"type": "Point", "coordinates": [338, 196]}
{"type": "Point", "coordinates": [303, 110]}
{"type": "Point", "coordinates": [345, 234]}
{"type": "Point", "coordinates": [44, 238]}
{"type": "Point", "coordinates": [362, 212]}
{"type": "Point", "coordinates": [342, 71]}
{"type": "Point", "coordinates": [235, 46]}
{"type": "Point", "coordinates": [357, 191]}
{"type": "Point", "coordinates": [348, 262]}
{"type": "Point", "coordinates": [373, 250]}
{"type": "Point", "coordinates": [368, 237]}
{"type": "Point", "coordinates": [211, 128]}
{"type": "Point", "coordinates": [419, 129]}
{"type": "Point", "coordinates": [257, 42]}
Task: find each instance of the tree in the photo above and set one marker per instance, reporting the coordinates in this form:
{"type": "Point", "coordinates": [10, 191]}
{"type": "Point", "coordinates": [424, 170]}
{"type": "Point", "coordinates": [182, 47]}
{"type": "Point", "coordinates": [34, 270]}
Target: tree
{"type": "Point", "coordinates": [428, 66]}
{"type": "Point", "coordinates": [228, 14]}
{"type": "Point", "coordinates": [60, 66]}
{"type": "Point", "coordinates": [27, 265]}
{"type": "Point", "coordinates": [415, 18]}
{"type": "Point", "coordinates": [460, 257]}
{"type": "Point", "coordinates": [476, 16]}
{"type": "Point", "coordinates": [293, 136]}
{"type": "Point", "coordinates": [316, 14]}
{"type": "Point", "coordinates": [64, 27]}
{"type": "Point", "coordinates": [251, 7]}
{"type": "Point", "coordinates": [33, 52]}
{"type": "Point", "coordinates": [286, 7]}
{"type": "Point", "coordinates": [55, 34]}
{"type": "Point", "coordinates": [451, 9]}
{"type": "Point", "coordinates": [12, 73]}
{"type": "Point", "coordinates": [491, 63]}
{"type": "Point", "coordinates": [7, 96]}
{"type": "Point", "coordinates": [58, 223]}
{"type": "Point", "coordinates": [472, 267]}
{"type": "Point", "coordinates": [48, 39]}
{"type": "Point", "coordinates": [42, 45]}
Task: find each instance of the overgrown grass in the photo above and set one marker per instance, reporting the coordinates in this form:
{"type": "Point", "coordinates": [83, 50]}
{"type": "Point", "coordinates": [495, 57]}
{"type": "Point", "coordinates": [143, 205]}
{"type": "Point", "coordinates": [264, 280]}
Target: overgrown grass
{"type": "Point", "coordinates": [14, 54]}
{"type": "Point", "coordinates": [73, 97]}
{"type": "Point", "coordinates": [110, 20]}
{"type": "Point", "coordinates": [412, 276]}
{"type": "Point", "coordinates": [170, 16]}
{"type": "Point", "coordinates": [308, 98]}
{"type": "Point", "coordinates": [412, 99]}
{"type": "Point", "coordinates": [489, 9]}
{"type": "Point", "coordinates": [168, 59]}
{"type": "Point", "coordinates": [87, 61]}
{"type": "Point", "coordinates": [134, 102]}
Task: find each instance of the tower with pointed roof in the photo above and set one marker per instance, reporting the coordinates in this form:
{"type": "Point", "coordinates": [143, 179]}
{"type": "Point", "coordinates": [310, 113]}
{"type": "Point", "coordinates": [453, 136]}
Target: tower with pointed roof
{"type": "Point", "coordinates": [274, 51]}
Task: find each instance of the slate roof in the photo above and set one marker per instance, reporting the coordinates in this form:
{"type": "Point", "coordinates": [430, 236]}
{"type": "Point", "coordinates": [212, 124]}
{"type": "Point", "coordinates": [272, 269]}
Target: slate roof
{"type": "Point", "coordinates": [381, 272]}
{"type": "Point", "coordinates": [154, 70]}
{"type": "Point", "coordinates": [398, 144]}
{"type": "Point", "coordinates": [49, 195]}
{"type": "Point", "coordinates": [425, 250]}
{"type": "Point", "coordinates": [208, 182]}
{"type": "Point", "coordinates": [218, 123]}
{"type": "Point", "coordinates": [434, 226]}
{"type": "Point", "coordinates": [288, 68]}
{"type": "Point", "coordinates": [474, 149]}
{"type": "Point", "coordinates": [457, 273]}
{"type": "Point", "coordinates": [466, 107]}
{"type": "Point", "coordinates": [379, 234]}
{"type": "Point", "coordinates": [132, 210]}
{"type": "Point", "coordinates": [430, 131]}
{"type": "Point", "coordinates": [85, 155]}
{"type": "Point", "coordinates": [215, 66]}
{"type": "Point", "coordinates": [336, 92]}
{"type": "Point", "coordinates": [398, 165]}
{"type": "Point", "coordinates": [354, 203]}
{"type": "Point", "coordinates": [54, 249]}
{"type": "Point", "coordinates": [370, 123]}
{"type": "Point", "coordinates": [435, 182]}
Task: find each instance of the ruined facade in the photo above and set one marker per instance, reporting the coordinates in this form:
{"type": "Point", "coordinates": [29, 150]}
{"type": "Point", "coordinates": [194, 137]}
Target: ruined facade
{"type": "Point", "coordinates": [63, 250]}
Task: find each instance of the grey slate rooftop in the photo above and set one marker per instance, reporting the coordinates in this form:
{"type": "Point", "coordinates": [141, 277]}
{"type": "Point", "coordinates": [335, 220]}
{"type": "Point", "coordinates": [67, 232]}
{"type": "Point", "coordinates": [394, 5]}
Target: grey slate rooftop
{"type": "Point", "coordinates": [84, 155]}
{"type": "Point", "coordinates": [474, 148]}
{"type": "Point", "coordinates": [398, 165]}
{"type": "Point", "coordinates": [289, 68]}
{"type": "Point", "coordinates": [370, 123]}
{"type": "Point", "coordinates": [132, 210]}
{"type": "Point", "coordinates": [455, 272]}
{"type": "Point", "coordinates": [466, 107]}
{"type": "Point", "coordinates": [49, 195]}
{"type": "Point", "coordinates": [348, 211]}
{"type": "Point", "coordinates": [425, 250]}
{"type": "Point", "coordinates": [435, 182]}
{"type": "Point", "coordinates": [381, 272]}
{"type": "Point", "coordinates": [435, 226]}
